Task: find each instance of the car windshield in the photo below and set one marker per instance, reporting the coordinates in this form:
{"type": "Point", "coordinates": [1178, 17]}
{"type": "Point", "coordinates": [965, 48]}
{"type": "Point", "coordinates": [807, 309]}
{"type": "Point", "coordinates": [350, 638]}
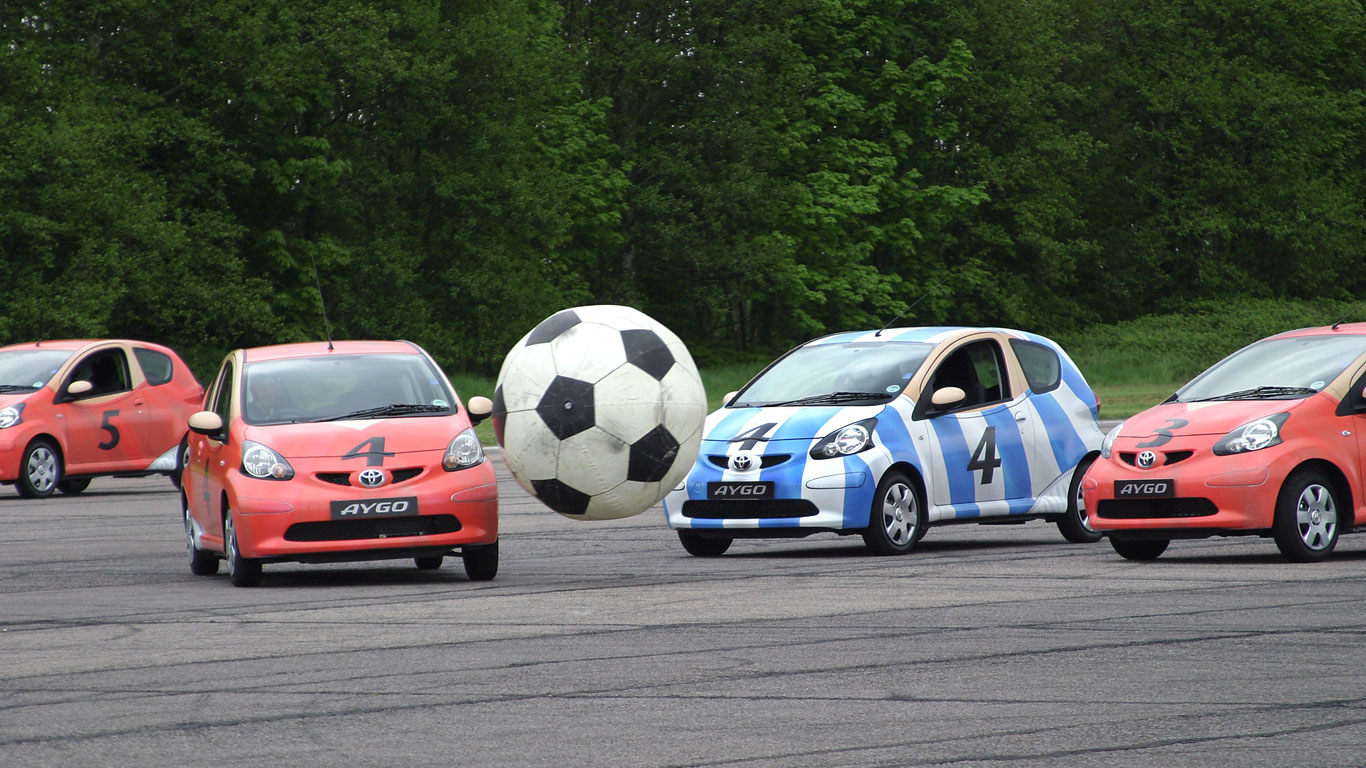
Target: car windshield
{"type": "Point", "coordinates": [24, 370]}
{"type": "Point", "coordinates": [334, 387]}
{"type": "Point", "coordinates": [826, 374]}
{"type": "Point", "coordinates": [1281, 368]}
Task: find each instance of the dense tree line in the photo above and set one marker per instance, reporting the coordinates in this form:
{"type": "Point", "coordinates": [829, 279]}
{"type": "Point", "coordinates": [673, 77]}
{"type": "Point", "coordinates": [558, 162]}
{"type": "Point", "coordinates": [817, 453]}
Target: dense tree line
{"type": "Point", "coordinates": [749, 173]}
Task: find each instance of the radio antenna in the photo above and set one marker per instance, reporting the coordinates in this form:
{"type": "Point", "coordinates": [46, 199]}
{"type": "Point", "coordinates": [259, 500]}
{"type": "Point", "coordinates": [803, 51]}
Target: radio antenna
{"type": "Point", "coordinates": [327, 327]}
{"type": "Point", "coordinates": [908, 309]}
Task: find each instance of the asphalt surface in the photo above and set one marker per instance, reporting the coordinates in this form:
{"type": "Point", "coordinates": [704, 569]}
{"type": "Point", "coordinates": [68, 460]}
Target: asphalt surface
{"type": "Point", "coordinates": [604, 644]}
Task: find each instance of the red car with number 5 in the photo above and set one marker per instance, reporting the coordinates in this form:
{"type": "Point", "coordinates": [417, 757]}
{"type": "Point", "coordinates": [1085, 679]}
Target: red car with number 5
{"type": "Point", "coordinates": [1268, 442]}
{"type": "Point", "coordinates": [75, 409]}
{"type": "Point", "coordinates": [334, 452]}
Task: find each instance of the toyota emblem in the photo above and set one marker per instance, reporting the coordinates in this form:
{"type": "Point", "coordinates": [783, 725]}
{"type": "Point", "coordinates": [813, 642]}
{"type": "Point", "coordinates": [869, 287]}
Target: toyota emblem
{"type": "Point", "coordinates": [741, 462]}
{"type": "Point", "coordinates": [1146, 460]}
{"type": "Point", "coordinates": [371, 478]}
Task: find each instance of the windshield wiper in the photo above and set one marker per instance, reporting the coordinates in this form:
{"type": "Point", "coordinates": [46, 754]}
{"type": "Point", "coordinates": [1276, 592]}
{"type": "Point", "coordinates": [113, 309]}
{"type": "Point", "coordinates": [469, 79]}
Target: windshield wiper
{"type": "Point", "coordinates": [1258, 393]}
{"type": "Point", "coordinates": [393, 409]}
{"type": "Point", "coordinates": [834, 397]}
{"type": "Point", "coordinates": [17, 387]}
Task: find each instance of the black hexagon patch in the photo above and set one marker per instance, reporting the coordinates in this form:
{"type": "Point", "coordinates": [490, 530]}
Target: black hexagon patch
{"type": "Point", "coordinates": [552, 326]}
{"type": "Point", "coordinates": [651, 456]}
{"type": "Point", "coordinates": [646, 351]}
{"type": "Point", "coordinates": [567, 406]}
{"type": "Point", "coordinates": [561, 497]}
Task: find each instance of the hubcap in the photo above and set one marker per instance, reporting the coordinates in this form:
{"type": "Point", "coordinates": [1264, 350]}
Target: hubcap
{"type": "Point", "coordinates": [899, 514]}
{"type": "Point", "coordinates": [42, 470]}
{"type": "Point", "coordinates": [1081, 510]}
{"type": "Point", "coordinates": [230, 544]}
{"type": "Point", "coordinates": [1317, 516]}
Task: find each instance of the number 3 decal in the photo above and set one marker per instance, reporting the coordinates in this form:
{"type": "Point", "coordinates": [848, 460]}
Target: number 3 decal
{"type": "Point", "coordinates": [1164, 433]}
{"type": "Point", "coordinates": [113, 431]}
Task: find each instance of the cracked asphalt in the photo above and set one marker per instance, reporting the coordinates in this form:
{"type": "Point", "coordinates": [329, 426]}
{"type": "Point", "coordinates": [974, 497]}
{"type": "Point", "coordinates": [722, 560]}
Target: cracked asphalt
{"type": "Point", "coordinates": [604, 644]}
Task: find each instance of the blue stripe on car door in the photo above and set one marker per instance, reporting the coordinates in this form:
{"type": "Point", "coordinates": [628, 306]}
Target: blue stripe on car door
{"type": "Point", "coordinates": [953, 450]}
{"type": "Point", "coordinates": [1062, 433]}
{"type": "Point", "coordinates": [1011, 451]}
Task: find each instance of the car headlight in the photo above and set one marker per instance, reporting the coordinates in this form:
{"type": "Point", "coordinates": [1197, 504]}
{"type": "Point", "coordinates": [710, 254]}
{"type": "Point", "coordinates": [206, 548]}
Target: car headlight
{"type": "Point", "coordinates": [11, 415]}
{"type": "Point", "coordinates": [463, 452]}
{"type": "Point", "coordinates": [1108, 443]}
{"type": "Point", "coordinates": [846, 440]}
{"type": "Point", "coordinates": [1253, 436]}
{"type": "Point", "coordinates": [263, 463]}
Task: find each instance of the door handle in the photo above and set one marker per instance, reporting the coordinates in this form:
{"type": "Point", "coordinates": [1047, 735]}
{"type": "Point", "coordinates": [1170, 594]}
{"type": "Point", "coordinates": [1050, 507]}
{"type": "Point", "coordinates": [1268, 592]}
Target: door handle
{"type": "Point", "coordinates": [1020, 416]}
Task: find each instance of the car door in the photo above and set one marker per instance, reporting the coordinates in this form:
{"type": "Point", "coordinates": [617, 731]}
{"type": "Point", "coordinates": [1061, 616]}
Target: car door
{"type": "Point", "coordinates": [166, 410]}
{"type": "Point", "coordinates": [105, 427]}
{"type": "Point", "coordinates": [204, 478]}
{"type": "Point", "coordinates": [978, 446]}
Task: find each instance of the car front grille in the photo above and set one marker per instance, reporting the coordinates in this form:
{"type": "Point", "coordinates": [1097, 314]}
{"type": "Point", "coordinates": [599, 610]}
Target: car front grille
{"type": "Point", "coordinates": [379, 528]}
{"type": "Point", "coordinates": [1168, 457]}
{"type": "Point", "coordinates": [765, 462]}
{"type": "Point", "coordinates": [744, 510]}
{"type": "Point", "coordinates": [344, 478]}
{"type": "Point", "coordinates": [1139, 509]}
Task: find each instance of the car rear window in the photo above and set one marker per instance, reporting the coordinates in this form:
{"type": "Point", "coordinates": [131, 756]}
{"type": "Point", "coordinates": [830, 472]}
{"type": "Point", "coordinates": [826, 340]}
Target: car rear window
{"type": "Point", "coordinates": [1042, 369]}
{"type": "Point", "coordinates": [156, 366]}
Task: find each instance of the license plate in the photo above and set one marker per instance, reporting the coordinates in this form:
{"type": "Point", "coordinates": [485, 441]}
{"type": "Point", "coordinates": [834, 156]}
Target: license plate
{"type": "Point", "coordinates": [403, 506]}
{"type": "Point", "coordinates": [1144, 489]}
{"type": "Point", "coordinates": [732, 490]}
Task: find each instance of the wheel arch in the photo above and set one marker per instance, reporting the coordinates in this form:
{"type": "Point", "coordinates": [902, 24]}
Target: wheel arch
{"type": "Point", "coordinates": [1342, 488]}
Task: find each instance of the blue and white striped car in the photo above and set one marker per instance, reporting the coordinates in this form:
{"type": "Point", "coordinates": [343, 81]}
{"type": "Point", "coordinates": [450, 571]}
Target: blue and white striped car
{"type": "Point", "coordinates": [883, 433]}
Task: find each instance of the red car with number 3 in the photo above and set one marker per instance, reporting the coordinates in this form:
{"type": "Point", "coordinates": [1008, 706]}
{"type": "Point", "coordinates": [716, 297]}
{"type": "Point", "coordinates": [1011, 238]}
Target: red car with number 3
{"type": "Point", "coordinates": [1268, 442]}
{"type": "Point", "coordinates": [75, 409]}
{"type": "Point", "coordinates": [335, 452]}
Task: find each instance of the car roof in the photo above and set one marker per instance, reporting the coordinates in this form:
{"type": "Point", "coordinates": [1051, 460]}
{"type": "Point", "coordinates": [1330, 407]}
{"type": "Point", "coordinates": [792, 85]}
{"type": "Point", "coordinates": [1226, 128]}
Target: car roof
{"type": "Point", "coordinates": [322, 348]}
{"type": "Point", "coordinates": [74, 344]}
{"type": "Point", "coordinates": [934, 334]}
{"type": "Point", "coordinates": [1351, 329]}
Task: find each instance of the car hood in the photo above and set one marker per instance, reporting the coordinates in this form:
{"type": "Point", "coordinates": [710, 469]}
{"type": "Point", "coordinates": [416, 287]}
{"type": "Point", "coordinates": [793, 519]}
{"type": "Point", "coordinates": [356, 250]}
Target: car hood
{"type": "Point", "coordinates": [1208, 418]}
{"type": "Point", "coordinates": [334, 439]}
{"type": "Point", "coordinates": [12, 398]}
{"type": "Point", "coordinates": [784, 423]}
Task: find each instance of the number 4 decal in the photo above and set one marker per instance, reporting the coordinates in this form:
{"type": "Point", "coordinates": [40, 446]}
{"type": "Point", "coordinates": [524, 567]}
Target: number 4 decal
{"type": "Point", "coordinates": [373, 457]}
{"type": "Point", "coordinates": [985, 457]}
{"type": "Point", "coordinates": [754, 436]}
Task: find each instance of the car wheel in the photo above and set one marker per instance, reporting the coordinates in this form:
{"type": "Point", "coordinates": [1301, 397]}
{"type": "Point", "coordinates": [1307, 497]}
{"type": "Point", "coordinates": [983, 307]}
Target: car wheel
{"type": "Point", "coordinates": [481, 562]}
{"type": "Point", "coordinates": [700, 546]}
{"type": "Point", "coordinates": [428, 563]}
{"type": "Point", "coordinates": [1144, 549]}
{"type": "Point", "coordinates": [242, 571]}
{"type": "Point", "coordinates": [1306, 522]}
{"type": "Point", "coordinates": [896, 522]}
{"type": "Point", "coordinates": [40, 470]}
{"type": "Point", "coordinates": [1074, 525]}
{"type": "Point", "coordinates": [181, 455]}
{"type": "Point", "coordinates": [201, 563]}
{"type": "Point", "coordinates": [71, 486]}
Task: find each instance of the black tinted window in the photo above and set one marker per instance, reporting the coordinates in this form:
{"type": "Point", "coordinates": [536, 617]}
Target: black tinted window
{"type": "Point", "coordinates": [156, 366]}
{"type": "Point", "coordinates": [1042, 369]}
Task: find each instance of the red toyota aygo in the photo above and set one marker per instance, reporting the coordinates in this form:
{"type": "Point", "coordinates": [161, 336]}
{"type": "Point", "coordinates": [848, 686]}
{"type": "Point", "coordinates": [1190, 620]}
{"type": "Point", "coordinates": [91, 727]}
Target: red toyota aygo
{"type": "Point", "coordinates": [75, 409]}
{"type": "Point", "coordinates": [336, 452]}
{"type": "Point", "coordinates": [1268, 442]}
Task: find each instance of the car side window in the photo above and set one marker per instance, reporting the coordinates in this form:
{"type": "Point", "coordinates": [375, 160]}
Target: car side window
{"type": "Point", "coordinates": [222, 396]}
{"type": "Point", "coordinates": [976, 369]}
{"type": "Point", "coordinates": [1042, 368]}
{"type": "Point", "coordinates": [156, 366]}
{"type": "Point", "coordinates": [107, 372]}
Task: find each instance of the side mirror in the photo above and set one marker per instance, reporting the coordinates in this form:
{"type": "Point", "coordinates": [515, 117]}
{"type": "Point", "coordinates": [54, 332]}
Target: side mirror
{"type": "Point", "coordinates": [729, 396]}
{"type": "Point", "coordinates": [479, 407]}
{"type": "Point", "coordinates": [206, 423]}
{"type": "Point", "coordinates": [947, 396]}
{"type": "Point", "coordinates": [79, 388]}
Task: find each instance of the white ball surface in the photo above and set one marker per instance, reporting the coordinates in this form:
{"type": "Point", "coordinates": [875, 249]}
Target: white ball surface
{"type": "Point", "coordinates": [599, 412]}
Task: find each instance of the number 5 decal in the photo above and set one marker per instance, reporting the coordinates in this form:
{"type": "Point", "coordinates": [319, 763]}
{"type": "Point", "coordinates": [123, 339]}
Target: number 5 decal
{"type": "Point", "coordinates": [985, 457]}
{"type": "Point", "coordinates": [113, 431]}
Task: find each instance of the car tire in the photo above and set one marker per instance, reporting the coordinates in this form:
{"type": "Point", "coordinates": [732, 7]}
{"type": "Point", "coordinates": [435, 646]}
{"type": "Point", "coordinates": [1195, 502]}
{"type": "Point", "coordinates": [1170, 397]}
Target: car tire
{"type": "Point", "coordinates": [1141, 549]}
{"type": "Point", "coordinates": [1306, 522]}
{"type": "Point", "coordinates": [181, 454]}
{"type": "Point", "coordinates": [40, 470]}
{"type": "Point", "coordinates": [896, 520]}
{"type": "Point", "coordinates": [202, 563]}
{"type": "Point", "coordinates": [1073, 525]}
{"type": "Point", "coordinates": [428, 563]}
{"type": "Point", "coordinates": [242, 571]}
{"type": "Point", "coordinates": [700, 546]}
{"type": "Point", "coordinates": [481, 562]}
{"type": "Point", "coordinates": [73, 486]}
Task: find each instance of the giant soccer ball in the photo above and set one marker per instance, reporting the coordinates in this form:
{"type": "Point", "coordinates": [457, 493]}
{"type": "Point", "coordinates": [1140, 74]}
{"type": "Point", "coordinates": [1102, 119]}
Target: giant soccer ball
{"type": "Point", "coordinates": [599, 412]}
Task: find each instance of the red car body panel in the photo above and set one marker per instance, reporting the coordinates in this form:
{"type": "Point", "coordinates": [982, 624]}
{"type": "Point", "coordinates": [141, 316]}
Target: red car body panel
{"type": "Point", "coordinates": [327, 458]}
{"type": "Point", "coordinates": [115, 432]}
